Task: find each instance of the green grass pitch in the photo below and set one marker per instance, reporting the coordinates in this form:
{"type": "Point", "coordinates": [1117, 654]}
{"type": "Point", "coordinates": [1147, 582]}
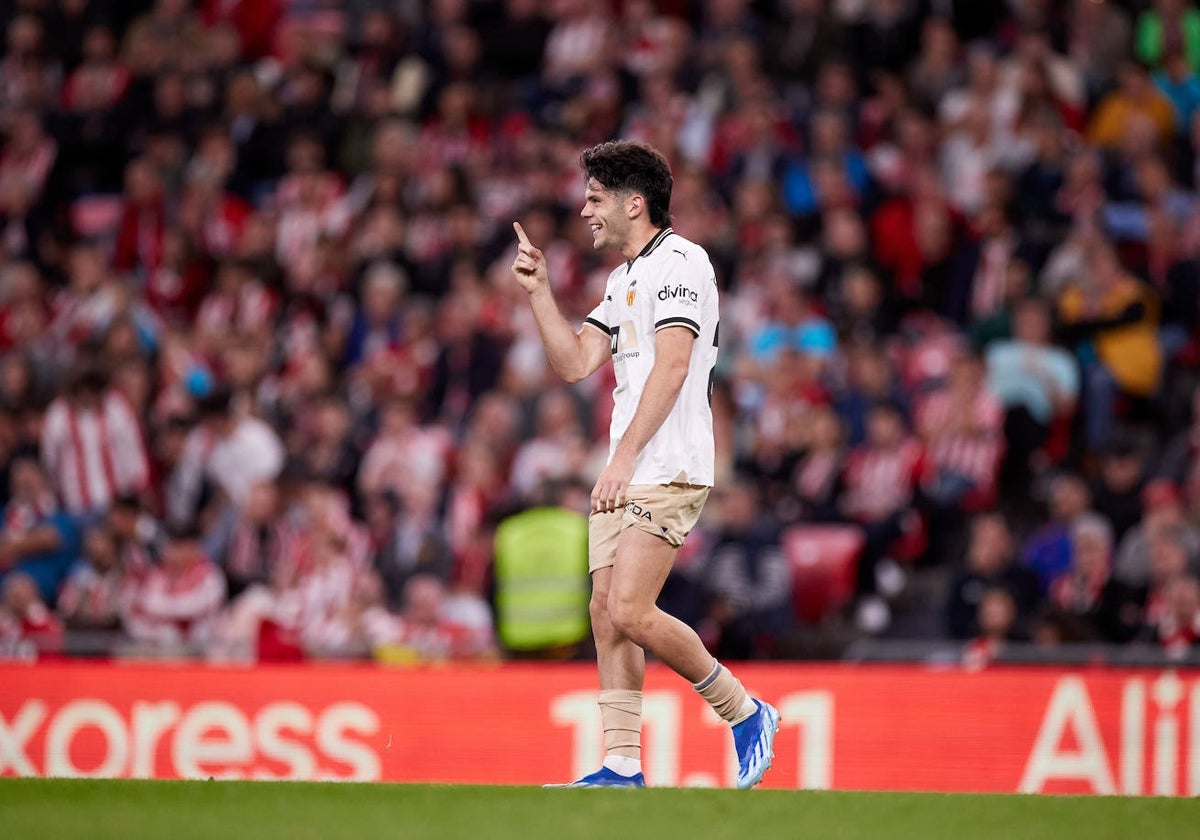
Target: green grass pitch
{"type": "Point", "coordinates": [31, 809]}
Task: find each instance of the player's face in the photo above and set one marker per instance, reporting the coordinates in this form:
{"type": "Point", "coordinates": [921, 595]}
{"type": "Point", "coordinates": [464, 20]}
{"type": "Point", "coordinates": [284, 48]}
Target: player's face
{"type": "Point", "coordinates": [604, 214]}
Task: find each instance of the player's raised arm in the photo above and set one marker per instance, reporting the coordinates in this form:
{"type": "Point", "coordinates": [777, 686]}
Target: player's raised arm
{"type": "Point", "coordinates": [573, 355]}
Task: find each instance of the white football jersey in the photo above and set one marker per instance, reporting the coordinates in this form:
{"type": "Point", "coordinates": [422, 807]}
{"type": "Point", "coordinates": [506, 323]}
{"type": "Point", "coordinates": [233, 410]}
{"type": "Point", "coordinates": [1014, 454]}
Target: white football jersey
{"type": "Point", "coordinates": [671, 283]}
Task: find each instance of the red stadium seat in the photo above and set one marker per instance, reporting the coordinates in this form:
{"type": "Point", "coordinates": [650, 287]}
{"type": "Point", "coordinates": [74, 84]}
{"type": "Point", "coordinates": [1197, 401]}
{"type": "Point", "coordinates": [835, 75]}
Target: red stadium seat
{"type": "Point", "coordinates": [278, 644]}
{"type": "Point", "coordinates": [824, 562]}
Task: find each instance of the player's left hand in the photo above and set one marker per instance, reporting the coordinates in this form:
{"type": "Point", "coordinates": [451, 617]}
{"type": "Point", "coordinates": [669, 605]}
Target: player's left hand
{"type": "Point", "coordinates": [609, 492]}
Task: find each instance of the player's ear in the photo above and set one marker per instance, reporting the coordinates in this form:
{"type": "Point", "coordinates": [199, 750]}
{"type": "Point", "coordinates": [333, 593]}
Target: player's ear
{"type": "Point", "coordinates": [635, 206]}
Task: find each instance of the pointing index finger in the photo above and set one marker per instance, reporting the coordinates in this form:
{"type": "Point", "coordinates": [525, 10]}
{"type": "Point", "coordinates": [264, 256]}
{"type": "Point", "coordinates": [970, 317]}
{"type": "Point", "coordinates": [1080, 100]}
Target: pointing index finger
{"type": "Point", "coordinates": [524, 240]}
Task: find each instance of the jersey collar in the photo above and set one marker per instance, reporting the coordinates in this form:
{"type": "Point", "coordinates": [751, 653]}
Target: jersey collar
{"type": "Point", "coordinates": [654, 242]}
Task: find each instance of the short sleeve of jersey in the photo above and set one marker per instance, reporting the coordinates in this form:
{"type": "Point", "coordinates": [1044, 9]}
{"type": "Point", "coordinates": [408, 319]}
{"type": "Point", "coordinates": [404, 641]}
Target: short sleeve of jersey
{"type": "Point", "coordinates": [680, 292]}
{"type": "Point", "coordinates": [599, 317]}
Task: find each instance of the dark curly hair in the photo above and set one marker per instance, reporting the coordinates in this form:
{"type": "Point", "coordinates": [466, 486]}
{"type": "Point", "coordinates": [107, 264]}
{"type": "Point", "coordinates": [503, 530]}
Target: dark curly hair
{"type": "Point", "coordinates": [624, 166]}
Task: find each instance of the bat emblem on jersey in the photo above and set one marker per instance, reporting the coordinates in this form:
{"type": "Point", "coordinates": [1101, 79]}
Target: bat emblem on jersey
{"type": "Point", "coordinates": [631, 294]}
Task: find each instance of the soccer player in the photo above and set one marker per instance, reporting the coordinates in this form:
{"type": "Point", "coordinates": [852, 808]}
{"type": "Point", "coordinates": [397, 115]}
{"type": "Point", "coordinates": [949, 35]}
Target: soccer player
{"type": "Point", "coordinates": [658, 323]}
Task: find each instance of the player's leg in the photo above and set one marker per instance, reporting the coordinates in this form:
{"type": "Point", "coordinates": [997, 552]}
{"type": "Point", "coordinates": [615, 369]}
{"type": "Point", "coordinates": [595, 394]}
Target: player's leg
{"type": "Point", "coordinates": [622, 667]}
{"type": "Point", "coordinates": [622, 664]}
{"type": "Point", "coordinates": [644, 557]}
{"type": "Point", "coordinates": [643, 562]}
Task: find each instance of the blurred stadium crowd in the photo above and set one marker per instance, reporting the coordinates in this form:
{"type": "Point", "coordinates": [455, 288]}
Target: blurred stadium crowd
{"type": "Point", "coordinates": [268, 385]}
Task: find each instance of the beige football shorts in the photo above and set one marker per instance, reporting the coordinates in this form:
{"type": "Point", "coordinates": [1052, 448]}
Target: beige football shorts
{"type": "Point", "coordinates": [668, 511]}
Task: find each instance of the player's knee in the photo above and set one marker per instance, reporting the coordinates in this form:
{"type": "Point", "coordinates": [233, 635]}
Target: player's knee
{"type": "Point", "coordinates": [627, 616]}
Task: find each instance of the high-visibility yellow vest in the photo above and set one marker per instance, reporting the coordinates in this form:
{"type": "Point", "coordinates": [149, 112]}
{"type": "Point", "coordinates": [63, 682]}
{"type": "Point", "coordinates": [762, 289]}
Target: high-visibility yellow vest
{"type": "Point", "coordinates": [542, 585]}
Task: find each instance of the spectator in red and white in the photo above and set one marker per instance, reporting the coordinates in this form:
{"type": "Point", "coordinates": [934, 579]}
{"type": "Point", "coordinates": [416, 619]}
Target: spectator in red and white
{"type": "Point", "coordinates": [883, 474]}
{"type": "Point", "coordinates": [231, 449]}
{"type": "Point", "coordinates": [1162, 512]}
{"type": "Point", "coordinates": [93, 445]}
{"type": "Point", "coordinates": [174, 291]}
{"type": "Point", "coordinates": [996, 618]}
{"type": "Point", "coordinates": [23, 311]}
{"type": "Point", "coordinates": [100, 82]}
{"type": "Point", "coordinates": [575, 42]}
{"type": "Point", "coordinates": [139, 246]}
{"type": "Point", "coordinates": [257, 22]}
{"type": "Point", "coordinates": [475, 490]}
{"type": "Point", "coordinates": [881, 480]}
{"type": "Point", "coordinates": [1046, 82]}
{"type": "Point", "coordinates": [972, 150]}
{"type": "Point", "coordinates": [309, 203]}
{"type": "Point", "coordinates": [95, 594]}
{"type": "Point", "coordinates": [1088, 602]}
{"type": "Point", "coordinates": [1166, 561]}
{"type": "Point", "coordinates": [311, 582]}
{"type": "Point", "coordinates": [176, 605]}
{"type": "Point", "coordinates": [984, 90]}
{"type": "Point", "coordinates": [213, 218]}
{"type": "Point", "coordinates": [981, 286]}
{"type": "Point", "coordinates": [403, 451]}
{"type": "Point", "coordinates": [249, 542]}
{"type": "Point", "coordinates": [556, 447]}
{"type": "Point", "coordinates": [26, 624]}
{"type": "Point", "coordinates": [961, 426]}
{"type": "Point", "coordinates": [240, 305]}
{"type": "Point", "coordinates": [26, 162]}
{"type": "Point", "coordinates": [1178, 631]}
{"type": "Point", "coordinates": [325, 565]}
{"type": "Point", "coordinates": [88, 304]}
{"type": "Point", "coordinates": [423, 630]}
{"type": "Point", "coordinates": [344, 631]}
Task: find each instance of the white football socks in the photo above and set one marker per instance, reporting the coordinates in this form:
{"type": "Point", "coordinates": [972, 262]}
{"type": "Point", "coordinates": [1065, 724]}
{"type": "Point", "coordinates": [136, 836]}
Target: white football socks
{"type": "Point", "coordinates": [623, 765]}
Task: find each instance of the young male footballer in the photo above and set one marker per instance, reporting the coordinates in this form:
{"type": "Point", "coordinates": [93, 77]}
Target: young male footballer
{"type": "Point", "coordinates": [658, 324]}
